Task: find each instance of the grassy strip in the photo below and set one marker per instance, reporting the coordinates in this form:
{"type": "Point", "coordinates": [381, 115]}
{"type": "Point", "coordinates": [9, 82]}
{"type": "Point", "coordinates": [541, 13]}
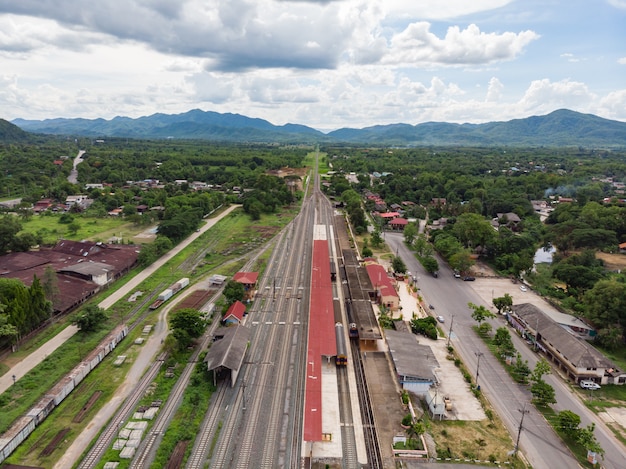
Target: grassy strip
{"type": "Point", "coordinates": [159, 389]}
{"type": "Point", "coordinates": [188, 419]}
{"type": "Point", "coordinates": [20, 397]}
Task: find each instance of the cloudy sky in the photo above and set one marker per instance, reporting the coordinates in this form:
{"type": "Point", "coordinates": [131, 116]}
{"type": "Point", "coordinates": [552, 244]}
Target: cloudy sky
{"type": "Point", "coordinates": [323, 63]}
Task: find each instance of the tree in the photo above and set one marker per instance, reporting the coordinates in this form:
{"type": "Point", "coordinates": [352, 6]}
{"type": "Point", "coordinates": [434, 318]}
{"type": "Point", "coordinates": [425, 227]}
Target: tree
{"type": "Point", "coordinates": [503, 341]}
{"type": "Point", "coordinates": [376, 239]}
{"type": "Point", "coordinates": [190, 321]}
{"type": "Point", "coordinates": [50, 283]}
{"type": "Point", "coordinates": [410, 233]}
{"type": "Point", "coordinates": [426, 326]}
{"type": "Point", "coordinates": [8, 331]}
{"type": "Point", "coordinates": [472, 230]}
{"type": "Point", "coordinates": [503, 303]}
{"type": "Point", "coordinates": [90, 318]}
{"type": "Point", "coordinates": [480, 313]}
{"type": "Point", "coordinates": [543, 393]}
{"type": "Point", "coordinates": [542, 367]}
{"type": "Point", "coordinates": [461, 260]}
{"type": "Point", "coordinates": [521, 370]}
{"type": "Point", "coordinates": [569, 422]}
{"type": "Point", "coordinates": [587, 439]}
{"type": "Point", "coordinates": [484, 329]}
{"type": "Point", "coordinates": [366, 251]}
{"type": "Point", "coordinates": [429, 263]}
{"type": "Point", "coordinates": [234, 291]}
{"type": "Point", "coordinates": [9, 228]}
{"type": "Point", "coordinates": [605, 307]}
{"type": "Point", "coordinates": [398, 265]}
{"type": "Point", "coordinates": [417, 429]}
{"type": "Point", "coordinates": [422, 246]}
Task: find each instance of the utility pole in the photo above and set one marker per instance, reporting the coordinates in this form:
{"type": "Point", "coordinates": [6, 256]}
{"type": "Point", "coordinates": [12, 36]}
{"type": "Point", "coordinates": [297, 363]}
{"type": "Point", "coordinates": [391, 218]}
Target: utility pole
{"type": "Point", "coordinates": [478, 354]}
{"type": "Point", "coordinates": [519, 430]}
{"type": "Point", "coordinates": [243, 391]}
{"type": "Point", "coordinates": [450, 332]}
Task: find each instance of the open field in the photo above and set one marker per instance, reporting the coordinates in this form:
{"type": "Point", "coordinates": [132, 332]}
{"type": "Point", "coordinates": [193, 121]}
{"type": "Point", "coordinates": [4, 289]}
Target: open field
{"type": "Point", "coordinates": [91, 228]}
{"type": "Point", "coordinates": [613, 261]}
{"type": "Point", "coordinates": [476, 440]}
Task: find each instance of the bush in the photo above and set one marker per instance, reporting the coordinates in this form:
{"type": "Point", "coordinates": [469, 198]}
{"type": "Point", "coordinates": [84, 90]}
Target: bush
{"type": "Point", "coordinates": [407, 420]}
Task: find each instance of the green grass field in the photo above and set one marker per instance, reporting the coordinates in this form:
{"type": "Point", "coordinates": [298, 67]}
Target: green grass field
{"type": "Point", "coordinates": [91, 228]}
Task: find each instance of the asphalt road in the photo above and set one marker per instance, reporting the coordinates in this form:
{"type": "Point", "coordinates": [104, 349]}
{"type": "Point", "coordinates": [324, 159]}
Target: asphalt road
{"type": "Point", "coordinates": [450, 296]}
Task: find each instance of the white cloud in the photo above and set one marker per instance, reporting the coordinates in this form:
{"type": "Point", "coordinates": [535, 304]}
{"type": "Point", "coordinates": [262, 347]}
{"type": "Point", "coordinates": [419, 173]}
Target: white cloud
{"type": "Point", "coordinates": [325, 63]}
{"type": "Point", "coordinates": [621, 4]}
{"type": "Point", "coordinates": [441, 9]}
{"type": "Point", "coordinates": [417, 45]}
{"type": "Point", "coordinates": [495, 90]}
{"type": "Point", "coordinates": [545, 95]}
{"type": "Point", "coordinates": [570, 57]}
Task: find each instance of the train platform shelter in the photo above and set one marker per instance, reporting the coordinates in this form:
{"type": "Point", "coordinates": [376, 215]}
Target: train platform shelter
{"type": "Point", "coordinates": [321, 338]}
{"type": "Point", "coordinates": [228, 351]}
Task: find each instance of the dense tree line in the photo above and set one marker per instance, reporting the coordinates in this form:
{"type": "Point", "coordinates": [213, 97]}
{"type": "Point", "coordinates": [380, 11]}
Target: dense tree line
{"type": "Point", "coordinates": [266, 195]}
{"type": "Point", "coordinates": [22, 307]}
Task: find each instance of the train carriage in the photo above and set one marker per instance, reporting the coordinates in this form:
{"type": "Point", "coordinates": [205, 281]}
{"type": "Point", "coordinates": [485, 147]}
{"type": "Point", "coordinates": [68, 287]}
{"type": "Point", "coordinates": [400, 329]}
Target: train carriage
{"type": "Point", "coordinates": [342, 356]}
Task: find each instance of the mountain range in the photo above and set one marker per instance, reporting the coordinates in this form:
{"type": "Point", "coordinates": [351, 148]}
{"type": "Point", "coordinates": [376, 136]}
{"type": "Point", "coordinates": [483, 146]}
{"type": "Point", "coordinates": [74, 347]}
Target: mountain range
{"type": "Point", "coordinates": [559, 128]}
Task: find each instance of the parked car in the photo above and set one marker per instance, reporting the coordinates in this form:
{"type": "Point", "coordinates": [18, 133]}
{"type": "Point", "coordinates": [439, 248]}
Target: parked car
{"type": "Point", "coordinates": [469, 279]}
{"type": "Point", "coordinates": [523, 288]}
{"type": "Point", "coordinates": [457, 274]}
{"type": "Point", "coordinates": [431, 307]}
{"type": "Point", "coordinates": [441, 319]}
{"type": "Point", "coordinates": [588, 384]}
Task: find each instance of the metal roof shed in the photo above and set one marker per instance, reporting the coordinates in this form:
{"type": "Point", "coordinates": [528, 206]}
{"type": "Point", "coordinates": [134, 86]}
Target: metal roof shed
{"type": "Point", "coordinates": [228, 352]}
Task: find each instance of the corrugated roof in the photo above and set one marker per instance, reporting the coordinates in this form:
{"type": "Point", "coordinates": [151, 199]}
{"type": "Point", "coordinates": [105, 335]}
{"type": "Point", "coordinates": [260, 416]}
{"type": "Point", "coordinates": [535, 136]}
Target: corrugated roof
{"type": "Point", "coordinates": [410, 358]}
{"type": "Point", "coordinates": [577, 351]}
{"type": "Point", "coordinates": [228, 352]}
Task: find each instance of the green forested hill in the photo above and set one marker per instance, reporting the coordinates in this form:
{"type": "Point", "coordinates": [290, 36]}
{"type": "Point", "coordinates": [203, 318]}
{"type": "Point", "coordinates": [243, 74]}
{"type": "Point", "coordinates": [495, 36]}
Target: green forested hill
{"type": "Point", "coordinates": [11, 133]}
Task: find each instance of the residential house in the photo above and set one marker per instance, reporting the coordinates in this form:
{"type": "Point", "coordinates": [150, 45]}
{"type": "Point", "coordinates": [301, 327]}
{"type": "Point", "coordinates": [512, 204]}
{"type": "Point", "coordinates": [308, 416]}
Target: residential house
{"type": "Point", "coordinates": [235, 314]}
{"type": "Point", "coordinates": [249, 280]}
{"type": "Point", "coordinates": [398, 224]}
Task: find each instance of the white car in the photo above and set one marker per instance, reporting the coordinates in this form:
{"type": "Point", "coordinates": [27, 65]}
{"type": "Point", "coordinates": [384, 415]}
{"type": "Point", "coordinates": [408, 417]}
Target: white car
{"type": "Point", "coordinates": [588, 384]}
{"type": "Point", "coordinates": [523, 288]}
{"type": "Point", "coordinates": [441, 319]}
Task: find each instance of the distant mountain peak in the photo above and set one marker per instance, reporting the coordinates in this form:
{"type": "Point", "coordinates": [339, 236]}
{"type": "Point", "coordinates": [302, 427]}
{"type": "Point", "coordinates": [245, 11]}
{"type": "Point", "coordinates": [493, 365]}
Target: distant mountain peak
{"type": "Point", "coordinates": [562, 127]}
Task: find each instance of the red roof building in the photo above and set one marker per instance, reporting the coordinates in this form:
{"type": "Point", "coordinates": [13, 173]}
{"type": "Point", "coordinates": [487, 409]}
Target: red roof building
{"type": "Point", "coordinates": [398, 223]}
{"type": "Point", "coordinates": [389, 215]}
{"type": "Point", "coordinates": [385, 291]}
{"type": "Point", "coordinates": [248, 279]}
{"type": "Point", "coordinates": [235, 313]}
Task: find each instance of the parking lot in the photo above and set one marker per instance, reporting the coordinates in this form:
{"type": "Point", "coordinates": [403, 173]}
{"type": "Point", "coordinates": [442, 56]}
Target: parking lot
{"type": "Point", "coordinates": [465, 406]}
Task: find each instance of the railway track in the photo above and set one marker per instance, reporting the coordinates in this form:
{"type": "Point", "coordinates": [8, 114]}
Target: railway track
{"type": "Point", "coordinates": [348, 438]}
{"type": "Point", "coordinates": [208, 429]}
{"type": "Point", "coordinates": [106, 438]}
{"type": "Point", "coordinates": [374, 456]}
